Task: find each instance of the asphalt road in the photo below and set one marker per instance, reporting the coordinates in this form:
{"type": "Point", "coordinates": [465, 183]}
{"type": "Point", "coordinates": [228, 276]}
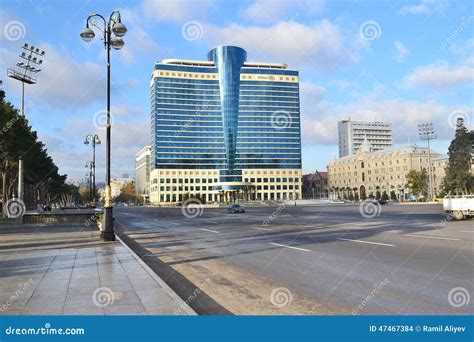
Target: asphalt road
{"type": "Point", "coordinates": [308, 259]}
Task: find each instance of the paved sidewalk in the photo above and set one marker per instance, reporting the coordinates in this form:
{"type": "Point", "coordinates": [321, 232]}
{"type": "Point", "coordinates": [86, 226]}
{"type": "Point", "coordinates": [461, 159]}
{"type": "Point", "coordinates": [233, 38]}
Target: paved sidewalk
{"type": "Point", "coordinates": [67, 270]}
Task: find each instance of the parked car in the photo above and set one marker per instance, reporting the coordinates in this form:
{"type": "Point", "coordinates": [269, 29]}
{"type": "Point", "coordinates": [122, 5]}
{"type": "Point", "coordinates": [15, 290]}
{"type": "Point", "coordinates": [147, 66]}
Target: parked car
{"type": "Point", "coordinates": [235, 208]}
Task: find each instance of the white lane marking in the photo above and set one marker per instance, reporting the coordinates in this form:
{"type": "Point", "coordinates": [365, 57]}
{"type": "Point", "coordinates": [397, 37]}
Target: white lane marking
{"type": "Point", "coordinates": [259, 228]}
{"type": "Point", "coordinates": [369, 242]}
{"type": "Point", "coordinates": [466, 231]}
{"type": "Point", "coordinates": [126, 214]}
{"type": "Point", "coordinates": [210, 231]}
{"type": "Point", "coordinates": [432, 237]}
{"type": "Point", "coordinates": [297, 248]}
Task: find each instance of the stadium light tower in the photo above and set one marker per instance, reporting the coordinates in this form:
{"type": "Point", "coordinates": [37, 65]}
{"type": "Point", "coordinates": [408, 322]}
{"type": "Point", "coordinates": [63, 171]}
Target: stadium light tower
{"type": "Point", "coordinates": [426, 132]}
{"type": "Point", "coordinates": [27, 66]}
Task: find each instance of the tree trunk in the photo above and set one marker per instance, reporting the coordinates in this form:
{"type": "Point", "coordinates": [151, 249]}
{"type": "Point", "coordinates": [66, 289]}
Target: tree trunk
{"type": "Point", "coordinates": [4, 188]}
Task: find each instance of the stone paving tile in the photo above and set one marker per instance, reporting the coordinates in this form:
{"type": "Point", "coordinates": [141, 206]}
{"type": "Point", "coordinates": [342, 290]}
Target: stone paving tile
{"type": "Point", "coordinates": [91, 310]}
{"type": "Point", "coordinates": [55, 311]}
{"type": "Point", "coordinates": [159, 301]}
{"type": "Point", "coordinates": [79, 301]}
{"type": "Point", "coordinates": [118, 286]}
{"type": "Point", "coordinates": [125, 297]}
{"type": "Point", "coordinates": [59, 269]}
{"type": "Point", "coordinates": [125, 310]}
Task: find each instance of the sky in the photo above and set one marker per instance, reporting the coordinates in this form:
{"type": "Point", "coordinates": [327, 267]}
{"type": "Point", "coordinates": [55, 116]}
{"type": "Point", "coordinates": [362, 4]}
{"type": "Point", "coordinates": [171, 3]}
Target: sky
{"type": "Point", "coordinates": [404, 62]}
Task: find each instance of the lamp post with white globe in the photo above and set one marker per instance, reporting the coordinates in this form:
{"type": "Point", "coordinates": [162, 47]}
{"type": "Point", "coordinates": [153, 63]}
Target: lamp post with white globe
{"type": "Point", "coordinates": [113, 31]}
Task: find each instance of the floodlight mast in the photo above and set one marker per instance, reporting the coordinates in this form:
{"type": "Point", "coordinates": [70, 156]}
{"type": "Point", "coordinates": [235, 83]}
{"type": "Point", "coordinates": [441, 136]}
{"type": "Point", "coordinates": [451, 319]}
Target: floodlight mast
{"type": "Point", "coordinates": [30, 59]}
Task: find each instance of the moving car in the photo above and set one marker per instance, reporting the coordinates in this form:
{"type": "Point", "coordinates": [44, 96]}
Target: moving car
{"type": "Point", "coordinates": [235, 208]}
{"type": "Point", "coordinates": [459, 207]}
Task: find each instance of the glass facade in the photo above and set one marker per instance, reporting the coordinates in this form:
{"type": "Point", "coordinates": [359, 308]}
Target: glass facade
{"type": "Point", "coordinates": [220, 114]}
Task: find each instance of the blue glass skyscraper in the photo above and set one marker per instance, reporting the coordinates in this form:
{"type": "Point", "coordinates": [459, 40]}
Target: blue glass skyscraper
{"type": "Point", "coordinates": [224, 129]}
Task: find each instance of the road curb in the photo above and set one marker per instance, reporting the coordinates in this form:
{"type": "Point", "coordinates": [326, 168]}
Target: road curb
{"type": "Point", "coordinates": [183, 306]}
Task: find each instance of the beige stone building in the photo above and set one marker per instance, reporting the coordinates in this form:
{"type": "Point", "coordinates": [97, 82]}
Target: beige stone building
{"type": "Point", "coordinates": [169, 186]}
{"type": "Point", "coordinates": [438, 166]}
{"type": "Point", "coordinates": [369, 172]}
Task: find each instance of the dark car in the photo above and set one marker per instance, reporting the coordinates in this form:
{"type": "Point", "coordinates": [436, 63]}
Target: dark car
{"type": "Point", "coordinates": [235, 208]}
{"type": "Point", "coordinates": [380, 201]}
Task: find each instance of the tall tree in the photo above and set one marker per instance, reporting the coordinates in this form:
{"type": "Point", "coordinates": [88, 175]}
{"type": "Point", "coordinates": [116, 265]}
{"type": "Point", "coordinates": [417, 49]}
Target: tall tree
{"type": "Point", "coordinates": [458, 176]}
{"type": "Point", "coordinates": [42, 182]}
{"type": "Point", "coordinates": [127, 193]}
{"type": "Point", "coordinates": [417, 181]}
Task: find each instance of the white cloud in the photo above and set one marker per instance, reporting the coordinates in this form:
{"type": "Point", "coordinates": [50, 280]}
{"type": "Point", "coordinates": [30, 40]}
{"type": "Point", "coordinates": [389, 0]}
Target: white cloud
{"type": "Point", "coordinates": [138, 40]}
{"type": "Point", "coordinates": [312, 91]}
{"type": "Point", "coordinates": [402, 51]}
{"type": "Point", "coordinates": [64, 84]}
{"type": "Point", "coordinates": [405, 115]}
{"type": "Point", "coordinates": [423, 7]}
{"type": "Point", "coordinates": [269, 10]}
{"type": "Point", "coordinates": [127, 110]}
{"type": "Point", "coordinates": [177, 11]}
{"type": "Point", "coordinates": [321, 45]}
{"type": "Point", "coordinates": [464, 51]}
{"type": "Point", "coordinates": [67, 149]}
{"type": "Point", "coordinates": [440, 76]}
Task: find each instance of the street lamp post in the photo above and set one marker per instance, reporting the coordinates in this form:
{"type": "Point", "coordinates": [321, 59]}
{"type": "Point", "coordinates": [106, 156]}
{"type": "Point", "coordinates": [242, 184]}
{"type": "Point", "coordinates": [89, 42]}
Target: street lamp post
{"type": "Point", "coordinates": [112, 26]}
{"type": "Point", "coordinates": [94, 140]}
{"type": "Point", "coordinates": [91, 166]}
{"type": "Point", "coordinates": [426, 132]}
{"type": "Point", "coordinates": [30, 59]}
